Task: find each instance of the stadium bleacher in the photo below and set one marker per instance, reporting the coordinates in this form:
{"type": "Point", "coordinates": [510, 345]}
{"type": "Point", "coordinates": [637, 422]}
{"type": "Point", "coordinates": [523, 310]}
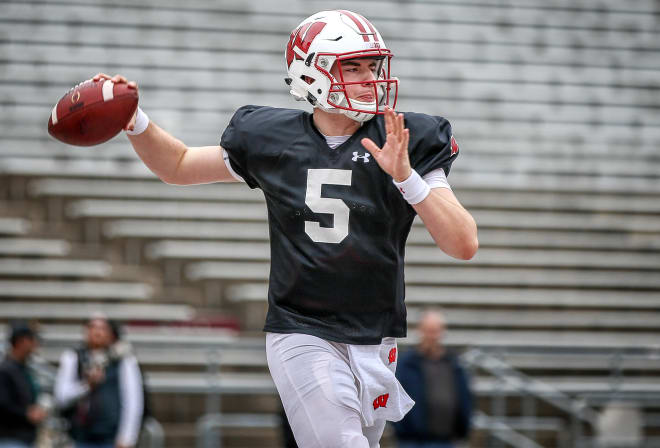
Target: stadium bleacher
{"type": "Point", "coordinates": [556, 108]}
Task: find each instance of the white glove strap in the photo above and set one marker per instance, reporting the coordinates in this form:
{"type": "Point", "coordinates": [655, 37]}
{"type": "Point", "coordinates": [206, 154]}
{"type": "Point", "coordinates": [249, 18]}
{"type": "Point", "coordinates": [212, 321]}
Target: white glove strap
{"type": "Point", "coordinates": [414, 189]}
{"type": "Point", "coordinates": [141, 123]}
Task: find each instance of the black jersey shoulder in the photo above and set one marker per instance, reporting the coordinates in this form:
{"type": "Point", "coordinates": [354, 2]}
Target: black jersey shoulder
{"type": "Point", "coordinates": [431, 145]}
{"type": "Point", "coordinates": [255, 129]}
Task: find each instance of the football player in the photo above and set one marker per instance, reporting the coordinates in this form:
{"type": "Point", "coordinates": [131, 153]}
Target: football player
{"type": "Point", "coordinates": [342, 186]}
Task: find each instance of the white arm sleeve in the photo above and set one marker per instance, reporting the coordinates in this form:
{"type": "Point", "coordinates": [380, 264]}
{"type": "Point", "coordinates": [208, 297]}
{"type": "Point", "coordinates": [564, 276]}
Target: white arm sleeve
{"type": "Point", "coordinates": [225, 157]}
{"type": "Point", "coordinates": [437, 179]}
{"type": "Point", "coordinates": [130, 398]}
{"type": "Point", "coordinates": [68, 386]}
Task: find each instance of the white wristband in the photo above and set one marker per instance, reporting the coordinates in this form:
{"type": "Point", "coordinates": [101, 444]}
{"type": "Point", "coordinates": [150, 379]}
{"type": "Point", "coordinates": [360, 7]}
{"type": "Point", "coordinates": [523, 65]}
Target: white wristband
{"type": "Point", "coordinates": [414, 189]}
{"type": "Point", "coordinates": [141, 123]}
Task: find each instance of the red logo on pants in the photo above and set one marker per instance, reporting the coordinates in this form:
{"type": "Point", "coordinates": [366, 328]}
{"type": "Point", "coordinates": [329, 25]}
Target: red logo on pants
{"type": "Point", "coordinates": [381, 401]}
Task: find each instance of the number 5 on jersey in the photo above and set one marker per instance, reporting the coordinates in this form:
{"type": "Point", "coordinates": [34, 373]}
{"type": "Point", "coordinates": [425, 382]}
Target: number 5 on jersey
{"type": "Point", "coordinates": [336, 207]}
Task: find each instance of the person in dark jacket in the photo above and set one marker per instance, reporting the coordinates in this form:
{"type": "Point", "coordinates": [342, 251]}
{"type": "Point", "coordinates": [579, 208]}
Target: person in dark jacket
{"type": "Point", "coordinates": [99, 387]}
{"type": "Point", "coordinates": [438, 384]}
{"type": "Point", "coordinates": [19, 413]}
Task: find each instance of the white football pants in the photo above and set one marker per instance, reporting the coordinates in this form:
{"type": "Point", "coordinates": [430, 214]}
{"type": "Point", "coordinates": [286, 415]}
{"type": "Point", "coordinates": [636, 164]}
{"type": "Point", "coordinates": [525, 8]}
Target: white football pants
{"type": "Point", "coordinates": [319, 392]}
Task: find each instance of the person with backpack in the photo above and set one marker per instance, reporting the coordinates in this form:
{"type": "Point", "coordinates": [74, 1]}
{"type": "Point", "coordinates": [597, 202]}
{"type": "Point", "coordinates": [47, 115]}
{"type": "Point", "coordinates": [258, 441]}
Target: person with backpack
{"type": "Point", "coordinates": [99, 389]}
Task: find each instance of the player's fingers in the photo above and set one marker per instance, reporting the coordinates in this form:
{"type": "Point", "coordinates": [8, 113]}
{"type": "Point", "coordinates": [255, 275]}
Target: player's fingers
{"type": "Point", "coordinates": [406, 139]}
{"type": "Point", "coordinates": [370, 146]}
{"type": "Point", "coordinates": [119, 79]}
{"type": "Point", "coordinates": [392, 121]}
{"type": "Point", "coordinates": [132, 85]}
{"type": "Point", "coordinates": [100, 76]}
{"type": "Point", "coordinates": [399, 127]}
{"type": "Point", "coordinates": [388, 119]}
{"type": "Point", "coordinates": [392, 143]}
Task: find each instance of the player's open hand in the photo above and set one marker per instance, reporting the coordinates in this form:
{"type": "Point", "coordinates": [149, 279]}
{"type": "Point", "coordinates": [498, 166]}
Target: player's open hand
{"type": "Point", "coordinates": [393, 156]}
{"type": "Point", "coordinates": [119, 79]}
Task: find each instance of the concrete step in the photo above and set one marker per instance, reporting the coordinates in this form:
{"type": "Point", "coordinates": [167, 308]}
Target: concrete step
{"type": "Point", "coordinates": [40, 247]}
{"type": "Point", "coordinates": [421, 255]}
{"type": "Point", "coordinates": [466, 275]}
{"type": "Point", "coordinates": [461, 178]}
{"type": "Point", "coordinates": [546, 319]}
{"type": "Point", "coordinates": [488, 237]}
{"type": "Point", "coordinates": [10, 226]}
{"type": "Point", "coordinates": [484, 199]}
{"type": "Point", "coordinates": [105, 188]}
{"type": "Point", "coordinates": [82, 310]}
{"type": "Point", "coordinates": [27, 267]}
{"type": "Point", "coordinates": [81, 290]}
{"type": "Point", "coordinates": [580, 114]}
{"type": "Point", "coordinates": [470, 87]}
{"type": "Point", "coordinates": [487, 298]}
{"type": "Point", "coordinates": [110, 208]}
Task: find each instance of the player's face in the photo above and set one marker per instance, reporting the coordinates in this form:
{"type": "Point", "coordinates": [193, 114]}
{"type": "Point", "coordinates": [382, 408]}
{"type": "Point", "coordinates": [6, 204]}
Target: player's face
{"type": "Point", "coordinates": [358, 70]}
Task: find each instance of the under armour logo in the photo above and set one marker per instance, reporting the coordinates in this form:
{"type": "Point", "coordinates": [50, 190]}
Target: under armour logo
{"type": "Point", "coordinates": [365, 157]}
{"type": "Point", "coordinates": [381, 401]}
{"type": "Point", "coordinates": [391, 357]}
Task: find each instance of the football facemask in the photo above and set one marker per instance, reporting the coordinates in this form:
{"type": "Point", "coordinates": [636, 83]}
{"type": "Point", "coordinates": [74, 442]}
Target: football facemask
{"type": "Point", "coordinates": [324, 41]}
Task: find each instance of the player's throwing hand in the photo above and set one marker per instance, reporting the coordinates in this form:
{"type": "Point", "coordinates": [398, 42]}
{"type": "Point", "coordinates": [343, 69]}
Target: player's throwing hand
{"type": "Point", "coordinates": [393, 156]}
{"type": "Point", "coordinates": [119, 79]}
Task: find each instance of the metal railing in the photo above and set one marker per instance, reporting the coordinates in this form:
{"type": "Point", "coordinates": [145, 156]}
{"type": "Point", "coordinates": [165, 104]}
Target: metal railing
{"type": "Point", "coordinates": [530, 389]}
{"type": "Point", "coordinates": [153, 435]}
{"type": "Point", "coordinates": [502, 431]}
{"type": "Point", "coordinates": [208, 431]}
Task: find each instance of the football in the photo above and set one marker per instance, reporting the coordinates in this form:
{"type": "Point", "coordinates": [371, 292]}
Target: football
{"type": "Point", "coordinates": [92, 112]}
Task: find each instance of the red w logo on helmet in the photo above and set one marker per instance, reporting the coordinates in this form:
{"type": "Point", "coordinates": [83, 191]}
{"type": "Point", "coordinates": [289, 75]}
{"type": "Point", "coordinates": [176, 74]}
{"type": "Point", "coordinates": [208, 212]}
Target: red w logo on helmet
{"type": "Point", "coordinates": [302, 38]}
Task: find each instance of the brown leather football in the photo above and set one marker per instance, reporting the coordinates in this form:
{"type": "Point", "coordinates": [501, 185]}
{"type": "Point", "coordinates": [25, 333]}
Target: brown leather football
{"type": "Point", "coordinates": [92, 112]}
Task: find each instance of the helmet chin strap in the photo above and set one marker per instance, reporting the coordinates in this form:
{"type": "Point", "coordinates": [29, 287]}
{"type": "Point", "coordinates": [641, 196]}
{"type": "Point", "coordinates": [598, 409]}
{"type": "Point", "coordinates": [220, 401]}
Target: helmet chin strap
{"type": "Point", "coordinates": [360, 117]}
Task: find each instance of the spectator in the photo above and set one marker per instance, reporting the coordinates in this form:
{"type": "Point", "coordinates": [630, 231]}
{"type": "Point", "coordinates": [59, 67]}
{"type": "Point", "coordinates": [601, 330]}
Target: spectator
{"type": "Point", "coordinates": [99, 386]}
{"type": "Point", "coordinates": [19, 413]}
{"type": "Point", "coordinates": [439, 385]}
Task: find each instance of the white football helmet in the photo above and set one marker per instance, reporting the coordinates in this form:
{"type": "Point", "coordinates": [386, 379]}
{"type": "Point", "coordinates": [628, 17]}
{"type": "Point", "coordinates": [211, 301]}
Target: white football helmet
{"type": "Point", "coordinates": [330, 37]}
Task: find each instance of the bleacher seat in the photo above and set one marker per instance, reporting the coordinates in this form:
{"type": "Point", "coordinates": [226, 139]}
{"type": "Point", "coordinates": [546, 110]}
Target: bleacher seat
{"type": "Point", "coordinates": [64, 289]}
{"type": "Point", "coordinates": [491, 297]}
{"type": "Point", "coordinates": [34, 247]}
{"type": "Point", "coordinates": [26, 267]}
{"type": "Point", "coordinates": [466, 275]}
{"type": "Point", "coordinates": [82, 310]}
{"type": "Point", "coordinates": [14, 226]}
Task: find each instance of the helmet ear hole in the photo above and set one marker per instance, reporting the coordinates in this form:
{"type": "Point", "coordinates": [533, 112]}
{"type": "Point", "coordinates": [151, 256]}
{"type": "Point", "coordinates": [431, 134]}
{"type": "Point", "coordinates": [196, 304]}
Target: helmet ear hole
{"type": "Point", "coordinates": [307, 79]}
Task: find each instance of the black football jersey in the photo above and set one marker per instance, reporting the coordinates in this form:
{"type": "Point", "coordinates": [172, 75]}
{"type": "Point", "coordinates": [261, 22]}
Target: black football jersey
{"type": "Point", "coordinates": [338, 225]}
